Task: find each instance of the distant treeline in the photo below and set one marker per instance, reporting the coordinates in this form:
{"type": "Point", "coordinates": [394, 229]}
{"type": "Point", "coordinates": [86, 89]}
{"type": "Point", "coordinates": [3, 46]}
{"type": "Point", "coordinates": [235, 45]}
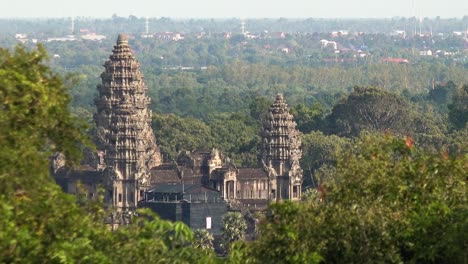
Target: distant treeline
{"type": "Point", "coordinates": [136, 25]}
{"type": "Point", "coordinates": [231, 88]}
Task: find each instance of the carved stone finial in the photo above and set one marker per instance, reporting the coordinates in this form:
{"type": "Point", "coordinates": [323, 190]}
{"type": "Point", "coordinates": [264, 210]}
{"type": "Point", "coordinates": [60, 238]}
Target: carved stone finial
{"type": "Point", "coordinates": [122, 38]}
{"type": "Point", "coordinates": [279, 97]}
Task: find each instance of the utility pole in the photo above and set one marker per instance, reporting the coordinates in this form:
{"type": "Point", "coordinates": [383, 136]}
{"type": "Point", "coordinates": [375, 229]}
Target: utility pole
{"type": "Point", "coordinates": [147, 26]}
{"type": "Point", "coordinates": [72, 26]}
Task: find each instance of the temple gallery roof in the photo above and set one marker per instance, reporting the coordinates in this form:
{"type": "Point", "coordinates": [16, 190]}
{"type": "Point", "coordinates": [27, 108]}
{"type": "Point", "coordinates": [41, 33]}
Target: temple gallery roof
{"type": "Point", "coordinates": [251, 174]}
{"type": "Point", "coordinates": [164, 174]}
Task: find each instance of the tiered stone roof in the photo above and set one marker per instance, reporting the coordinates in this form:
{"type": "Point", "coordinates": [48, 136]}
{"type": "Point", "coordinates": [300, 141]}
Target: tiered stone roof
{"type": "Point", "coordinates": [280, 147]}
{"type": "Point", "coordinates": [123, 118]}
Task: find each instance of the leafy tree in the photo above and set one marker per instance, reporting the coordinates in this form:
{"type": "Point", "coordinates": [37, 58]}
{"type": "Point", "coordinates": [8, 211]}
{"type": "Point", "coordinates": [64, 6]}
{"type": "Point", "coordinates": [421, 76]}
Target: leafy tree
{"type": "Point", "coordinates": [37, 222]}
{"type": "Point", "coordinates": [308, 118]}
{"type": "Point", "coordinates": [175, 134]}
{"type": "Point", "coordinates": [40, 223]}
{"type": "Point", "coordinates": [386, 202]}
{"type": "Point", "coordinates": [259, 108]}
{"type": "Point", "coordinates": [373, 109]}
{"type": "Point", "coordinates": [319, 150]}
{"type": "Point", "coordinates": [458, 141]}
{"type": "Point", "coordinates": [442, 94]}
{"type": "Point", "coordinates": [231, 133]}
{"type": "Point", "coordinates": [203, 239]}
{"type": "Point", "coordinates": [458, 110]}
{"type": "Point", "coordinates": [233, 229]}
{"type": "Point", "coordinates": [236, 137]}
{"type": "Point", "coordinates": [151, 240]}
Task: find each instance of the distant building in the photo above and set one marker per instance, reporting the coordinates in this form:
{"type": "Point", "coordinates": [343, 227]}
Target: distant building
{"type": "Point", "coordinates": [325, 43]}
{"type": "Point", "coordinates": [425, 52]}
{"type": "Point", "coordinates": [227, 35]}
{"type": "Point", "coordinates": [251, 36]}
{"type": "Point", "coordinates": [398, 33]}
{"type": "Point", "coordinates": [23, 38]}
{"type": "Point", "coordinates": [394, 60]}
{"type": "Point", "coordinates": [195, 205]}
{"type": "Point", "coordinates": [129, 167]}
{"type": "Point", "coordinates": [343, 32]}
{"type": "Point", "coordinates": [93, 37]}
{"type": "Point", "coordinates": [168, 36]}
{"type": "Point", "coordinates": [147, 35]}
{"type": "Point", "coordinates": [278, 35]}
{"type": "Point", "coordinates": [339, 33]}
{"type": "Point", "coordinates": [126, 146]}
{"type": "Point", "coordinates": [63, 39]}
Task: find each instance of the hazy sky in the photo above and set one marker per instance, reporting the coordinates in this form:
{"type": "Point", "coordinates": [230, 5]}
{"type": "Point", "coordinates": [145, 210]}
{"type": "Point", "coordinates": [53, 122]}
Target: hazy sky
{"type": "Point", "coordinates": [235, 8]}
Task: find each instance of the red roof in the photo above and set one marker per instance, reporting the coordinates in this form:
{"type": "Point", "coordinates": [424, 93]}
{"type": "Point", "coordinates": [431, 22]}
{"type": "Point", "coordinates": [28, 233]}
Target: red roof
{"type": "Point", "coordinates": [394, 60]}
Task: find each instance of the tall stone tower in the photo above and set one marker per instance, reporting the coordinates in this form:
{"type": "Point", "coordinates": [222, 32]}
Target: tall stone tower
{"type": "Point", "coordinates": [280, 152]}
{"type": "Point", "coordinates": [125, 140]}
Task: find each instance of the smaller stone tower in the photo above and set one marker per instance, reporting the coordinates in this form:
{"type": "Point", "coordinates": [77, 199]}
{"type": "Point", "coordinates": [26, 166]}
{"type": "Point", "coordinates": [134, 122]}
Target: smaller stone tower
{"type": "Point", "coordinates": [280, 152]}
{"type": "Point", "coordinates": [125, 140]}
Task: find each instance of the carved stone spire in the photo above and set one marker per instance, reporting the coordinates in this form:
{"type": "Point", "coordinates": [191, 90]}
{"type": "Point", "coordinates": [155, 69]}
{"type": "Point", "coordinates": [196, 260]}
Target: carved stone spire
{"type": "Point", "coordinates": [123, 122]}
{"type": "Point", "coordinates": [280, 151]}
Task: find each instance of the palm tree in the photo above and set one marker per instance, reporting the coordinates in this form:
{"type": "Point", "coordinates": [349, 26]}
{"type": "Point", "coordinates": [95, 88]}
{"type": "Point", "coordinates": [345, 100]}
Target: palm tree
{"type": "Point", "coordinates": [203, 239]}
{"type": "Point", "coordinates": [233, 228]}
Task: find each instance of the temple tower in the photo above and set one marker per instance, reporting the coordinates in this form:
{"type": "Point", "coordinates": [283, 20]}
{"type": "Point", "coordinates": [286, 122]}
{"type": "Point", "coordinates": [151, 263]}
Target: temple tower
{"type": "Point", "coordinates": [125, 140]}
{"type": "Point", "coordinates": [280, 152]}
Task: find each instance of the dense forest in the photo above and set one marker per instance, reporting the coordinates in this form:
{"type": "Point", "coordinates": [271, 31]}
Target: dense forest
{"type": "Point", "coordinates": [384, 144]}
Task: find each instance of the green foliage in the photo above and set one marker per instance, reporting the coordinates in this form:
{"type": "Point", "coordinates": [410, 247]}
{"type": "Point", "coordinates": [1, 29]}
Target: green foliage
{"type": "Point", "coordinates": [280, 240]}
{"type": "Point", "coordinates": [373, 109]}
{"type": "Point", "coordinates": [38, 221]}
{"type": "Point", "coordinates": [203, 240]}
{"type": "Point", "coordinates": [442, 94]}
{"type": "Point", "coordinates": [370, 108]}
{"type": "Point", "coordinates": [458, 110]}
{"type": "Point", "coordinates": [234, 134]}
{"type": "Point", "coordinates": [34, 108]}
{"type": "Point", "coordinates": [259, 108]}
{"type": "Point", "coordinates": [175, 134]}
{"type": "Point", "coordinates": [41, 224]}
{"type": "Point", "coordinates": [308, 118]}
{"type": "Point", "coordinates": [233, 229]}
{"type": "Point", "coordinates": [386, 202]}
{"type": "Point", "coordinates": [319, 150]}
{"type": "Point", "coordinates": [458, 142]}
{"type": "Point", "coordinates": [151, 240]}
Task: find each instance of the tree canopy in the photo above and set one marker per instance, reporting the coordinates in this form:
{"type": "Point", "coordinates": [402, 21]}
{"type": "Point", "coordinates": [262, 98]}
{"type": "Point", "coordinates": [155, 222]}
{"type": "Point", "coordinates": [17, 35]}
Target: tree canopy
{"type": "Point", "coordinates": [386, 202]}
{"type": "Point", "coordinates": [40, 223]}
{"type": "Point", "coordinates": [458, 110]}
{"type": "Point", "coordinates": [370, 108]}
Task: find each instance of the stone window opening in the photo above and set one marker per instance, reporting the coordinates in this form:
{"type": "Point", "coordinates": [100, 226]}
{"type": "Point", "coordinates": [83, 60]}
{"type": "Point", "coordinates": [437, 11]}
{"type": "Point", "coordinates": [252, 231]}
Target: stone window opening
{"type": "Point", "coordinates": [295, 191]}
